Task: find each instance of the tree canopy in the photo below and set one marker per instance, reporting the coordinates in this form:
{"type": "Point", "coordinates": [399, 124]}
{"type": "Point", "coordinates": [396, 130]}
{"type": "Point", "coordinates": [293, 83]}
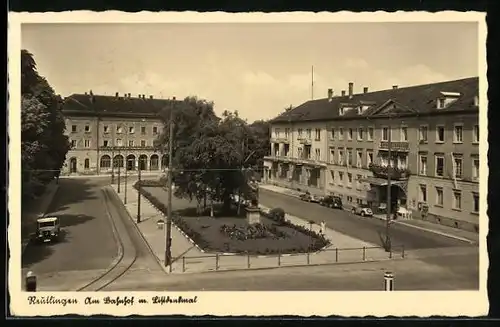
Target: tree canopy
{"type": "Point", "coordinates": [212, 155]}
{"type": "Point", "coordinates": [43, 143]}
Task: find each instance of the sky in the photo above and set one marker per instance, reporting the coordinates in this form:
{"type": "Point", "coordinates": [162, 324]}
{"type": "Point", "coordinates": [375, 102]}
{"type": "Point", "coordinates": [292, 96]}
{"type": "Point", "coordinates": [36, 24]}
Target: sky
{"type": "Point", "coordinates": [257, 69]}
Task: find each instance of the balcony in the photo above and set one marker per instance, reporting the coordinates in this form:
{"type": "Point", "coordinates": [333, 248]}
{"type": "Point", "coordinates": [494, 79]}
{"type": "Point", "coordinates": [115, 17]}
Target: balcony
{"type": "Point", "coordinates": [301, 160]}
{"type": "Point", "coordinates": [395, 146]}
{"type": "Point", "coordinates": [305, 141]}
{"type": "Point", "coordinates": [280, 139]}
{"type": "Point", "coordinates": [395, 173]}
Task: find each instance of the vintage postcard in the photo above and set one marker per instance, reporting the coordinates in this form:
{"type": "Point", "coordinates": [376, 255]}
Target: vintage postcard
{"type": "Point", "coordinates": [278, 164]}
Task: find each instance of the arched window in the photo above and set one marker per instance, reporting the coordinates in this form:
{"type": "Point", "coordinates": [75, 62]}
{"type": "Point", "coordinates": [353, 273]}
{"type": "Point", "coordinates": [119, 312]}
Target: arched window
{"type": "Point", "coordinates": [106, 162]}
{"type": "Point", "coordinates": [153, 165]}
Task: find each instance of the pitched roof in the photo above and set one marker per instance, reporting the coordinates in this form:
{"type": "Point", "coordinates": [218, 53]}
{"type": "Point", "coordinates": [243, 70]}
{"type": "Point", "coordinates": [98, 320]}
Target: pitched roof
{"type": "Point", "coordinates": [419, 99]}
{"type": "Point", "coordinates": [112, 105]}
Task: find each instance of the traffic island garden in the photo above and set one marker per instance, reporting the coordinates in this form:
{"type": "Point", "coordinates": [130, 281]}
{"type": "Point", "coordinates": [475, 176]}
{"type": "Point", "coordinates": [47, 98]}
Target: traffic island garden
{"type": "Point", "coordinates": [230, 232]}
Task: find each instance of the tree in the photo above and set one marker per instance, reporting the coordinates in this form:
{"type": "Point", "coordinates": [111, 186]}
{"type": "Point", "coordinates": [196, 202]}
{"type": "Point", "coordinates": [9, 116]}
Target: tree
{"type": "Point", "coordinates": [211, 155]}
{"type": "Point", "coordinates": [43, 143]}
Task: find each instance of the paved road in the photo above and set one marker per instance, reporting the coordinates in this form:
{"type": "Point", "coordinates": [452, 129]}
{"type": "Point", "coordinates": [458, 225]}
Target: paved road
{"type": "Point", "coordinates": [366, 229]}
{"type": "Point", "coordinates": [87, 243]}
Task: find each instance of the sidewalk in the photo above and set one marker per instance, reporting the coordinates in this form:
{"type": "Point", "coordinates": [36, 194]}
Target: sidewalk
{"type": "Point", "coordinates": [446, 231]}
{"type": "Point", "coordinates": [38, 207]}
{"type": "Point", "coordinates": [189, 258]}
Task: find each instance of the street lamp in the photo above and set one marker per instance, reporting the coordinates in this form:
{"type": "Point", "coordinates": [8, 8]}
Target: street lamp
{"type": "Point", "coordinates": [119, 164]}
{"type": "Point", "coordinates": [139, 191]}
{"type": "Point", "coordinates": [311, 222]}
{"type": "Point", "coordinates": [126, 178]}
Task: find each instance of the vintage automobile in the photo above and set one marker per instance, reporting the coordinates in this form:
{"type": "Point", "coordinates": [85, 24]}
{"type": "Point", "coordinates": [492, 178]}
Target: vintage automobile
{"type": "Point", "coordinates": [363, 210]}
{"type": "Point", "coordinates": [48, 229]}
{"type": "Point", "coordinates": [308, 197]}
{"type": "Point", "coordinates": [331, 202]}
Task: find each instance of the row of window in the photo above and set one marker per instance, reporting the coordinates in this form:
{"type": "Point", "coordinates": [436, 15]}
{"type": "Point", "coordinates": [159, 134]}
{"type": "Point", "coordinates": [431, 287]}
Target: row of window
{"type": "Point", "coordinates": [457, 196]}
{"type": "Point", "coordinates": [440, 162]}
{"type": "Point", "coordinates": [119, 129]}
{"type": "Point", "coordinates": [106, 143]}
{"type": "Point", "coordinates": [368, 133]}
{"type": "Point", "coordinates": [342, 179]}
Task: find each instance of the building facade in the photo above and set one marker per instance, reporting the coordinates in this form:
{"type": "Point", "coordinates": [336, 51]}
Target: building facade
{"type": "Point", "coordinates": [339, 145]}
{"type": "Point", "coordinates": [107, 133]}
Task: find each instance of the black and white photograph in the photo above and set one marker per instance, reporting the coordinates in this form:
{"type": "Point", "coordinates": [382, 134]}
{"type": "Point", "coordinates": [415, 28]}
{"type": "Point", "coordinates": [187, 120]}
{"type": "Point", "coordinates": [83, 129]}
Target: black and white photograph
{"type": "Point", "coordinates": [213, 156]}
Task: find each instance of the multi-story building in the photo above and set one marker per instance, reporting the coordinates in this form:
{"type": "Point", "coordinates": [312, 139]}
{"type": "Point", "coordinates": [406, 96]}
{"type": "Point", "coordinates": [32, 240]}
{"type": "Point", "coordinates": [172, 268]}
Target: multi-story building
{"type": "Point", "coordinates": [107, 132]}
{"type": "Point", "coordinates": [340, 145]}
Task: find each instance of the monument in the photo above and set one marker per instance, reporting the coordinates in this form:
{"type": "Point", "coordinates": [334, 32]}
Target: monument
{"type": "Point", "coordinates": [253, 211]}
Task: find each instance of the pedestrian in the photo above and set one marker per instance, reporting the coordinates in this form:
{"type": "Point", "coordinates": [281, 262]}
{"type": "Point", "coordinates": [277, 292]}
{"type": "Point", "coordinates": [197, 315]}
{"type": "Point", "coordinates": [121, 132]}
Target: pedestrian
{"type": "Point", "coordinates": [322, 228]}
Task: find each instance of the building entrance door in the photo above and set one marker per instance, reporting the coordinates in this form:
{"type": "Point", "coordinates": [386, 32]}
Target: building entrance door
{"type": "Point", "coordinates": [72, 165]}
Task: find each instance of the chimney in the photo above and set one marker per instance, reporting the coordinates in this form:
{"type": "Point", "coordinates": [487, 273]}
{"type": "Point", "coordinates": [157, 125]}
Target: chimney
{"type": "Point", "coordinates": [173, 98]}
{"type": "Point", "coordinates": [351, 89]}
{"type": "Point", "coordinates": [343, 93]}
{"type": "Point", "coordinates": [85, 93]}
{"type": "Point", "coordinates": [151, 97]}
{"type": "Point", "coordinates": [330, 94]}
{"type": "Point", "coordinates": [394, 87]}
{"type": "Point", "coordinates": [116, 95]}
{"type": "Point", "coordinates": [129, 95]}
{"type": "Point", "coordinates": [365, 90]}
{"type": "Point", "coordinates": [144, 96]}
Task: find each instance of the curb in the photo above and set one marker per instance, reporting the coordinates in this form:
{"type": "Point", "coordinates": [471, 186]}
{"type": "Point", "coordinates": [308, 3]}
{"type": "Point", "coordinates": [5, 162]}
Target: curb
{"type": "Point", "coordinates": [398, 222]}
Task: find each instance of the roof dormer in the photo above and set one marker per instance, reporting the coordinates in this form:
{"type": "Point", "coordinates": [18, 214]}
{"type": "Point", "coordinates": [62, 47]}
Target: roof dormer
{"type": "Point", "coordinates": [446, 98]}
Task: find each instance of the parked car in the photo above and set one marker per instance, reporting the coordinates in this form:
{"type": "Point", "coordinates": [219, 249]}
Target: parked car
{"type": "Point", "coordinates": [306, 197]}
{"type": "Point", "coordinates": [363, 210]}
{"type": "Point", "coordinates": [47, 229]}
{"type": "Point", "coordinates": [331, 201]}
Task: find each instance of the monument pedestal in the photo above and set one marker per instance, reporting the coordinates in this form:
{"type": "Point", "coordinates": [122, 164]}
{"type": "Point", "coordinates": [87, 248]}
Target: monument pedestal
{"type": "Point", "coordinates": [253, 215]}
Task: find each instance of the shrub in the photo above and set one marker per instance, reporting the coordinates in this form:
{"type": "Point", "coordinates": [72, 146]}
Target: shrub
{"type": "Point", "coordinates": [277, 214]}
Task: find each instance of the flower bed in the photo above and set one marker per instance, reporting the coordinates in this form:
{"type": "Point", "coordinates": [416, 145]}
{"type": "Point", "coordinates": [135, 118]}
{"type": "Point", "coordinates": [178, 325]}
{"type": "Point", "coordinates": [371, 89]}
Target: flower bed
{"type": "Point", "coordinates": [150, 182]}
{"type": "Point", "coordinates": [234, 234]}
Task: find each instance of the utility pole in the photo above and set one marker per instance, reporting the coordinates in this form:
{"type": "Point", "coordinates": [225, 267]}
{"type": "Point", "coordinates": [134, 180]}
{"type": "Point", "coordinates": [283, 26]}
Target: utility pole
{"type": "Point", "coordinates": [389, 209]}
{"type": "Point", "coordinates": [168, 237]}
{"type": "Point", "coordinates": [126, 177]}
{"type": "Point", "coordinates": [139, 192]}
{"type": "Point", "coordinates": [119, 164]}
{"type": "Point", "coordinates": [113, 164]}
{"type": "Point", "coordinates": [312, 82]}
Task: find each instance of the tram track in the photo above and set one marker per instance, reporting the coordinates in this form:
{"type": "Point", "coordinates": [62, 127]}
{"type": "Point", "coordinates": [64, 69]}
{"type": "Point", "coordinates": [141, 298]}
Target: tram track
{"type": "Point", "coordinates": [126, 257]}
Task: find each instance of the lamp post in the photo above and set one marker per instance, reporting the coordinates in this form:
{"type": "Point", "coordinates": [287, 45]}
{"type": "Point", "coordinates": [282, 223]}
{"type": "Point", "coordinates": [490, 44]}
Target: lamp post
{"type": "Point", "coordinates": [139, 192]}
{"type": "Point", "coordinates": [126, 178]}
{"type": "Point", "coordinates": [119, 164]}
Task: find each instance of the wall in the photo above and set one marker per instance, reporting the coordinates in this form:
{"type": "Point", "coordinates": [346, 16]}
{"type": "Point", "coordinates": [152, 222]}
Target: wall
{"type": "Point", "coordinates": [97, 135]}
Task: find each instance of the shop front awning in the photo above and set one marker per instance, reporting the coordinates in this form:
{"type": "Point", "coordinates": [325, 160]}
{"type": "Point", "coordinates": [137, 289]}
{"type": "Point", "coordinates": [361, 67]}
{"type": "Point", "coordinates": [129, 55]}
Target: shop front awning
{"type": "Point", "coordinates": [374, 181]}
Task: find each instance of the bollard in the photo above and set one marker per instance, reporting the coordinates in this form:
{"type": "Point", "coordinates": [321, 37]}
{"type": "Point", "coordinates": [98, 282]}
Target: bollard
{"type": "Point", "coordinates": [279, 259]}
{"type": "Point", "coordinates": [390, 252]}
{"type": "Point", "coordinates": [364, 253]}
{"type": "Point", "coordinates": [308, 259]}
{"type": "Point", "coordinates": [248, 261]}
{"type": "Point", "coordinates": [403, 251]}
{"type": "Point", "coordinates": [336, 254]}
{"type": "Point", "coordinates": [389, 281]}
{"type": "Point", "coordinates": [183, 264]}
{"type": "Point", "coordinates": [30, 282]}
{"type": "Point", "coordinates": [217, 261]}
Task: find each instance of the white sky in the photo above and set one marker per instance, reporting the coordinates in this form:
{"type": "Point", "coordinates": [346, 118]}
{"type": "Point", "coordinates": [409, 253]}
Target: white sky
{"type": "Point", "coordinates": [257, 69]}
